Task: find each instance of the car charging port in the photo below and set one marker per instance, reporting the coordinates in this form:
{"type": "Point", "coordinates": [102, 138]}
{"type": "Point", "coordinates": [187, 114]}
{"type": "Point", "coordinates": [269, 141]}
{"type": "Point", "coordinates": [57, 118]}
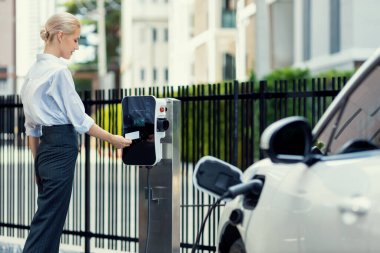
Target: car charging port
{"type": "Point", "coordinates": [162, 125]}
{"type": "Point", "coordinates": [236, 217]}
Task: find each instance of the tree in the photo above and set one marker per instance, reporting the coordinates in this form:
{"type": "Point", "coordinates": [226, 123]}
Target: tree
{"type": "Point", "coordinates": [86, 9]}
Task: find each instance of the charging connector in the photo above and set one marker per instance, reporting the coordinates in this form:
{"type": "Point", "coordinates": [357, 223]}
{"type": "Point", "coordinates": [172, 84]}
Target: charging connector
{"type": "Point", "coordinates": [254, 186]}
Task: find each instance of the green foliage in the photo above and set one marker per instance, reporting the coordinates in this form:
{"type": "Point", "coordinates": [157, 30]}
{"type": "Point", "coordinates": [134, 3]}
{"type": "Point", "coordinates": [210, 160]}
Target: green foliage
{"type": "Point", "coordinates": [113, 34]}
{"type": "Point", "coordinates": [320, 145]}
{"type": "Point", "coordinates": [288, 74]}
{"type": "Point", "coordinates": [110, 118]}
{"type": "Point", "coordinates": [252, 76]}
{"type": "Point", "coordinates": [282, 80]}
{"type": "Point", "coordinates": [84, 8]}
{"type": "Point", "coordinates": [82, 84]}
{"type": "Point", "coordinates": [335, 73]}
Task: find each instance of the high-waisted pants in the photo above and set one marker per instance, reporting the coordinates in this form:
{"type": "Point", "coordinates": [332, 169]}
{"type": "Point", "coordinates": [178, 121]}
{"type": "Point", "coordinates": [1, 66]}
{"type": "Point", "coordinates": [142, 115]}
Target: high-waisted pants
{"type": "Point", "coordinates": [54, 167]}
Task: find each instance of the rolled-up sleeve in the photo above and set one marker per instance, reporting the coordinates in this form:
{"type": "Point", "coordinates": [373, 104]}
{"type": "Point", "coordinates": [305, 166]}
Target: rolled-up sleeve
{"type": "Point", "coordinates": [69, 99]}
{"type": "Point", "coordinates": [31, 129]}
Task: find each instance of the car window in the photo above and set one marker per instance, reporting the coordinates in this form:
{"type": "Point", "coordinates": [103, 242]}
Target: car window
{"type": "Point", "coordinates": [360, 117]}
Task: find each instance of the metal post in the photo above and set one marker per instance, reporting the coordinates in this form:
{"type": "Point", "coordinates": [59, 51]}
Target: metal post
{"type": "Point", "coordinates": [87, 180]}
{"type": "Point", "coordinates": [163, 195]}
{"type": "Point", "coordinates": [263, 113]}
{"type": "Point", "coordinates": [236, 122]}
{"type": "Point", "coordinates": [102, 52]}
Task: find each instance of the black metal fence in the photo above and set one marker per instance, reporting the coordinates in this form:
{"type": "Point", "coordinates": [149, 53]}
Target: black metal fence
{"type": "Point", "coordinates": [224, 120]}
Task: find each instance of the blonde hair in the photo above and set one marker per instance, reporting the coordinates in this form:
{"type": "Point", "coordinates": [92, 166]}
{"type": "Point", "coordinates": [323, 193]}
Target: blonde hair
{"type": "Point", "coordinates": [61, 22]}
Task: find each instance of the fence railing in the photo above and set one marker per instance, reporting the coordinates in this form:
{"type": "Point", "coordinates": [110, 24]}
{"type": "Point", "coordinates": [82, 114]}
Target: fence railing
{"type": "Point", "coordinates": [224, 120]}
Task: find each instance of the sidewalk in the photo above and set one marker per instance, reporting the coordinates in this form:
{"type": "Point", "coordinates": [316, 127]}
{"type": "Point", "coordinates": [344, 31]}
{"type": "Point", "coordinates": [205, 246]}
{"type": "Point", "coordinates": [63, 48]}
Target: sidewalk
{"type": "Point", "coordinates": [12, 245]}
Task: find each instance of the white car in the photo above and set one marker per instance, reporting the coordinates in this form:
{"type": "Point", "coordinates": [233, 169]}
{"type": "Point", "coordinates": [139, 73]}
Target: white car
{"type": "Point", "coordinates": [301, 198]}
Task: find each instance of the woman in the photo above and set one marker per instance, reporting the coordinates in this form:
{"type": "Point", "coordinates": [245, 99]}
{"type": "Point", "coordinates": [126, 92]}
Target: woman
{"type": "Point", "coordinates": [54, 114]}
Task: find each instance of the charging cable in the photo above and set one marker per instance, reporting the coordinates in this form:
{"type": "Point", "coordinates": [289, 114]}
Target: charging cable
{"type": "Point", "coordinates": [204, 223]}
{"type": "Point", "coordinates": [254, 186]}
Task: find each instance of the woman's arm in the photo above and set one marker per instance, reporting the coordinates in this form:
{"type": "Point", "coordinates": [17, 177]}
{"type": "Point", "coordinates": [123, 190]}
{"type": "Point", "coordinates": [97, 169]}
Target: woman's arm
{"type": "Point", "coordinates": [63, 90]}
{"type": "Point", "coordinates": [115, 140]}
{"type": "Point", "coordinates": [33, 144]}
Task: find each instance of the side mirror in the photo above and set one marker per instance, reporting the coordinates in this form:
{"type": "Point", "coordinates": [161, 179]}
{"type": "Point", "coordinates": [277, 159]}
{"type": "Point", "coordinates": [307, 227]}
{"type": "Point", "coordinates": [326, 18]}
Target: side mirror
{"type": "Point", "coordinates": [288, 140]}
{"type": "Point", "coordinates": [215, 176]}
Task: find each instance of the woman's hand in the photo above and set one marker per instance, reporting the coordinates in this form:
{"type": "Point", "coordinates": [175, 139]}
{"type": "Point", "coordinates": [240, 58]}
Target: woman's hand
{"type": "Point", "coordinates": [116, 140]}
{"type": "Point", "coordinates": [119, 141]}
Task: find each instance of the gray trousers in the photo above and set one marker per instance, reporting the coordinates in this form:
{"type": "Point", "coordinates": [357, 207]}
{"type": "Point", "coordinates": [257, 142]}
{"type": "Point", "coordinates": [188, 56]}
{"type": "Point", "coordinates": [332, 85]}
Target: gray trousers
{"type": "Point", "coordinates": [54, 168]}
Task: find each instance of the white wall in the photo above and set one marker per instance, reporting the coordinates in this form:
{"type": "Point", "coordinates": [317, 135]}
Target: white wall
{"type": "Point", "coordinates": [320, 28]}
{"type": "Point", "coordinates": [31, 15]}
{"type": "Point", "coordinates": [359, 35]}
{"type": "Point", "coordinates": [283, 30]}
{"type": "Point", "coordinates": [347, 21]}
{"type": "Point", "coordinates": [366, 23]}
{"type": "Point", "coordinates": [180, 54]}
{"type": "Point", "coordinates": [262, 39]}
{"type": "Point", "coordinates": [7, 47]}
{"type": "Point", "coordinates": [138, 50]}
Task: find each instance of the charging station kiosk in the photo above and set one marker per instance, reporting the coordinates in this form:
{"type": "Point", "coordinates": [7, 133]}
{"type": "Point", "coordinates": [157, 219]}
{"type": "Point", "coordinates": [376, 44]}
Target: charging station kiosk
{"type": "Point", "coordinates": [153, 124]}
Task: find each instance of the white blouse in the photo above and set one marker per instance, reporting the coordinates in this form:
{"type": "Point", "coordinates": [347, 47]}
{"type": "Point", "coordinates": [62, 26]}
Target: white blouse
{"type": "Point", "coordinates": [49, 97]}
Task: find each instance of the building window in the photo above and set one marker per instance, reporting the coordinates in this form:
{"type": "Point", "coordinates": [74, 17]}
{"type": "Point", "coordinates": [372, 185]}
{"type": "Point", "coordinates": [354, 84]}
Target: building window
{"type": "Point", "coordinates": [228, 67]}
{"type": "Point", "coordinates": [142, 74]}
{"type": "Point", "coordinates": [334, 26]}
{"type": "Point", "coordinates": [154, 74]}
{"type": "Point", "coordinates": [3, 74]}
{"type": "Point", "coordinates": [306, 30]}
{"type": "Point", "coordinates": [166, 74]}
{"type": "Point", "coordinates": [154, 35]}
{"type": "Point", "coordinates": [228, 14]}
{"type": "Point", "coordinates": [166, 34]}
{"type": "Point", "coordinates": [3, 77]}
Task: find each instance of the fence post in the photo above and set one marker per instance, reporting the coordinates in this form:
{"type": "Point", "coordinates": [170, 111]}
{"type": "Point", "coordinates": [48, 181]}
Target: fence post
{"type": "Point", "coordinates": [236, 121]}
{"type": "Point", "coordinates": [87, 98]}
{"type": "Point", "coordinates": [263, 111]}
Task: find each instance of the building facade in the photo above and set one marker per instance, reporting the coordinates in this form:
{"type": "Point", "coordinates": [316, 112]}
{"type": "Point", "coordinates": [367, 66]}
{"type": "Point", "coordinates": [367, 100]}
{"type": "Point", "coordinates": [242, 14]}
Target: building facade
{"type": "Point", "coordinates": [316, 34]}
{"type": "Point", "coordinates": [245, 43]}
{"type": "Point", "coordinates": [178, 42]}
{"type": "Point", "coordinates": [145, 39]}
{"type": "Point", "coordinates": [20, 23]}
{"type": "Point", "coordinates": [203, 45]}
{"type": "Point", "coordinates": [7, 47]}
{"type": "Point", "coordinates": [31, 15]}
{"type": "Point", "coordinates": [344, 38]}
{"type": "Point", "coordinates": [211, 41]}
{"type": "Point", "coordinates": [214, 41]}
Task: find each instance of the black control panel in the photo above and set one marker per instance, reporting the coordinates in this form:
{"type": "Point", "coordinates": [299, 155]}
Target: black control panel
{"type": "Point", "coordinates": [139, 122]}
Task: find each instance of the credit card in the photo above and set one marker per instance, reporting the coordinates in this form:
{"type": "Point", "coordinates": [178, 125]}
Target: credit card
{"type": "Point", "coordinates": [133, 135]}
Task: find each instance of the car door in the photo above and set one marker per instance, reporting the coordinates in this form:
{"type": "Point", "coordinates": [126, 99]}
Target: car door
{"type": "Point", "coordinates": [332, 202]}
{"type": "Point", "coordinates": [342, 188]}
{"type": "Point", "coordinates": [331, 206]}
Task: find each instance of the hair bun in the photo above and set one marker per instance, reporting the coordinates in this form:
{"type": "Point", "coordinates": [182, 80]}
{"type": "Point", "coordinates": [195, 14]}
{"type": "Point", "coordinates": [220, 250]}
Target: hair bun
{"type": "Point", "coordinates": [44, 34]}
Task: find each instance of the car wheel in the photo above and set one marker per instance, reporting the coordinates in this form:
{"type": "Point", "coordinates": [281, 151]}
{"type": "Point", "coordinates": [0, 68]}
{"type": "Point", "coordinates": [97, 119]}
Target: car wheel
{"type": "Point", "coordinates": [237, 247]}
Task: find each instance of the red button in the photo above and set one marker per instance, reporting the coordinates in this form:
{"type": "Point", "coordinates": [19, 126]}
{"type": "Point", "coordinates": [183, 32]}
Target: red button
{"type": "Point", "coordinates": [162, 109]}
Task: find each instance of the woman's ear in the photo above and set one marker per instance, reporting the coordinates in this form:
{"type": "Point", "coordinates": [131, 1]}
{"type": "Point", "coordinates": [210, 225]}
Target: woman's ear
{"type": "Point", "coordinates": [59, 36]}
